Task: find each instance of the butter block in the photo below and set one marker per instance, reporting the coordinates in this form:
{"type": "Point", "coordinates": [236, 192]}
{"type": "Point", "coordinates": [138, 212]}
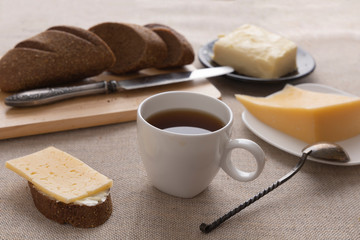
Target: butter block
{"type": "Point", "coordinates": [60, 175]}
{"type": "Point", "coordinates": [255, 52]}
{"type": "Point", "coordinates": [309, 116]}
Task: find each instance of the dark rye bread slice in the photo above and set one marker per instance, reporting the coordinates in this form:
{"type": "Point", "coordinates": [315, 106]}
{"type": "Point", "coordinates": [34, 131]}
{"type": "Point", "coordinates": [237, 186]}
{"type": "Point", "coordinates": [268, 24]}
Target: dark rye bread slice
{"type": "Point", "coordinates": [135, 47]}
{"type": "Point", "coordinates": [179, 50]}
{"type": "Point", "coordinates": [81, 216]}
{"type": "Point", "coordinates": [58, 55]}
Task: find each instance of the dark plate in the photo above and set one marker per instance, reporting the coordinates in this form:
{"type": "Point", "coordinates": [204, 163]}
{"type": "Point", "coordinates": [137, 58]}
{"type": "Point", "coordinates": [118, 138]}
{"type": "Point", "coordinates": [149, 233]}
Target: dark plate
{"type": "Point", "coordinates": [305, 64]}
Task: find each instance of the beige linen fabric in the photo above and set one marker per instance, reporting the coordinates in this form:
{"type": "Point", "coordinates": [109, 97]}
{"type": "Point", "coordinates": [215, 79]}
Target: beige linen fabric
{"type": "Point", "coordinates": [320, 202]}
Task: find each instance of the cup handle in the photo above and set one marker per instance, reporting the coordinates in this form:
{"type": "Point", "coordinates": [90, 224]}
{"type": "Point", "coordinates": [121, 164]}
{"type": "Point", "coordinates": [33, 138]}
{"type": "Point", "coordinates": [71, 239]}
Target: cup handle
{"type": "Point", "coordinates": [228, 166]}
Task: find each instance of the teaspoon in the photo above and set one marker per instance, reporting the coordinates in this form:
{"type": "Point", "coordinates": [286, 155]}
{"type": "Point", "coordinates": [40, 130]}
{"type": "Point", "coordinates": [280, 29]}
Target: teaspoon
{"type": "Point", "coordinates": [325, 151]}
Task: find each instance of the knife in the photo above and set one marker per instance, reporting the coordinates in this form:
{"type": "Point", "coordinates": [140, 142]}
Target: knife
{"type": "Point", "coordinates": [49, 95]}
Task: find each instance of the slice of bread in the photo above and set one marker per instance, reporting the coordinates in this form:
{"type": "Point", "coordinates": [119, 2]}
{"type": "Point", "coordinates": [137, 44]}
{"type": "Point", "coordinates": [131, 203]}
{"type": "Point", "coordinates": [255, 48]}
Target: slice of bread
{"type": "Point", "coordinates": [58, 55]}
{"type": "Point", "coordinates": [64, 188]}
{"type": "Point", "coordinates": [76, 214]}
{"type": "Point", "coordinates": [135, 47]}
{"type": "Point", "coordinates": [179, 50]}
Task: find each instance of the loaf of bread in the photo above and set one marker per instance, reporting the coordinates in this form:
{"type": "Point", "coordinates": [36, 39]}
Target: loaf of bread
{"type": "Point", "coordinates": [135, 47]}
{"type": "Point", "coordinates": [77, 214]}
{"type": "Point", "coordinates": [58, 55]}
{"type": "Point", "coordinates": [179, 50]}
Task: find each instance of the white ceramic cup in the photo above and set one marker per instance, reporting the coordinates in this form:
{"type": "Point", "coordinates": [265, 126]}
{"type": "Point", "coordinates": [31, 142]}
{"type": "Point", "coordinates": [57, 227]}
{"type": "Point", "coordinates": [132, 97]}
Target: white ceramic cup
{"type": "Point", "coordinates": [183, 165]}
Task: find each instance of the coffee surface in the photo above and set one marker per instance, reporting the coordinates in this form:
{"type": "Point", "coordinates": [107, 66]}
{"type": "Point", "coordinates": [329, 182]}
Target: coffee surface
{"type": "Point", "coordinates": [186, 121]}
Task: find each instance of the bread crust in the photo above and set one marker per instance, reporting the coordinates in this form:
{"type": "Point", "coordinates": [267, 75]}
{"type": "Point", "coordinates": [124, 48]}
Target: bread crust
{"type": "Point", "coordinates": [80, 216]}
{"type": "Point", "coordinates": [179, 49]}
{"type": "Point", "coordinates": [58, 55]}
{"type": "Point", "coordinates": [135, 47]}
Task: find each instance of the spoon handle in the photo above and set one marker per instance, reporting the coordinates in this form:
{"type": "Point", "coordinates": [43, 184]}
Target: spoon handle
{"type": "Point", "coordinates": [206, 228]}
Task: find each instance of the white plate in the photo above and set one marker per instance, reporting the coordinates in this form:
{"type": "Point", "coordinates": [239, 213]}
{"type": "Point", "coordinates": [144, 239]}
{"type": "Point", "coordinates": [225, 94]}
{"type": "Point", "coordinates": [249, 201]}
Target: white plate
{"type": "Point", "coordinates": [295, 146]}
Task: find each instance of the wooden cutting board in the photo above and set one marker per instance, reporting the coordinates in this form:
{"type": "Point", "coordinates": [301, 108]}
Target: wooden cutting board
{"type": "Point", "coordinates": [89, 111]}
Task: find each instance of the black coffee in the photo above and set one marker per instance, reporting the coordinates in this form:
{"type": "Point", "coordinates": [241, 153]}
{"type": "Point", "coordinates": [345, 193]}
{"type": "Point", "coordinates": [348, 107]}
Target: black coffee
{"type": "Point", "coordinates": [185, 121]}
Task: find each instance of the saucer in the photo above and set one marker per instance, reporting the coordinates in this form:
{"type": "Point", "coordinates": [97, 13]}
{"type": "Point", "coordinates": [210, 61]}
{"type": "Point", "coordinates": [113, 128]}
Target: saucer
{"type": "Point", "coordinates": [304, 61]}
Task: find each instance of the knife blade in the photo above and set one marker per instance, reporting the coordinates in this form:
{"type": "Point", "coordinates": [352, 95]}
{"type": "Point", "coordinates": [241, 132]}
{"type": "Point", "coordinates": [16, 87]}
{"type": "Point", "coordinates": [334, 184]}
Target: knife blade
{"type": "Point", "coordinates": [50, 95]}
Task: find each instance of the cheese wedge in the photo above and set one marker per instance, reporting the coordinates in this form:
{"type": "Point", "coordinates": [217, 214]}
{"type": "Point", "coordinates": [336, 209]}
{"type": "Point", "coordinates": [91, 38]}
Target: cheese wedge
{"type": "Point", "coordinates": [255, 52]}
{"type": "Point", "coordinates": [306, 115]}
{"type": "Point", "coordinates": [60, 175]}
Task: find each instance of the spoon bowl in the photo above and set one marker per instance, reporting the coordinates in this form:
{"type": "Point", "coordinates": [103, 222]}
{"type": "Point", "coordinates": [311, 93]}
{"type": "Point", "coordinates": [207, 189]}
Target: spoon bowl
{"type": "Point", "coordinates": [327, 151]}
{"type": "Point", "coordinates": [322, 150]}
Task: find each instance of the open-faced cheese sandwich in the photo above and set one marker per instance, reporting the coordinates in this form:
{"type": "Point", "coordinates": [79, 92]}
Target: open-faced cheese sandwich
{"type": "Point", "coordinates": [64, 188]}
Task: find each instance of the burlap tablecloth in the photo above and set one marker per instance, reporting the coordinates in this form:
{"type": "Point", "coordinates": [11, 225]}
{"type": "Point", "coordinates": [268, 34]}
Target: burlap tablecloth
{"type": "Point", "coordinates": [320, 202]}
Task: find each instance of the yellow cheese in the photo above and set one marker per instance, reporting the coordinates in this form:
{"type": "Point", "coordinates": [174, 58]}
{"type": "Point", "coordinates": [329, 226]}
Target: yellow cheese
{"type": "Point", "coordinates": [306, 115]}
{"type": "Point", "coordinates": [255, 52]}
{"type": "Point", "coordinates": [60, 175]}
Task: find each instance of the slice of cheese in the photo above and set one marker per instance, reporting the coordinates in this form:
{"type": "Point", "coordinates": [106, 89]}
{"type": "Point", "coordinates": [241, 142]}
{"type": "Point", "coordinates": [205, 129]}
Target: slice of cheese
{"type": "Point", "coordinates": [306, 115]}
{"type": "Point", "coordinates": [60, 175]}
{"type": "Point", "coordinates": [255, 52]}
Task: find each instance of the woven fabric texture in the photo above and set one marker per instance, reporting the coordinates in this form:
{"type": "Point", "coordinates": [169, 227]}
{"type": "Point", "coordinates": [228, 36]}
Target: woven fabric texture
{"type": "Point", "coordinates": [320, 202]}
